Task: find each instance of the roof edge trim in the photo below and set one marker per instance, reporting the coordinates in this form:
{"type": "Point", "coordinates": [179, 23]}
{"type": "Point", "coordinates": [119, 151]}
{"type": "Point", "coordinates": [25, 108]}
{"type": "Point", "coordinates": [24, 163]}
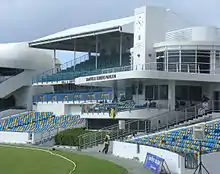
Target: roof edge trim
{"type": "Point", "coordinates": [86, 34]}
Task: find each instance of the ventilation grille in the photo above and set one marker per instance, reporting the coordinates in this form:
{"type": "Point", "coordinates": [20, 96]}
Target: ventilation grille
{"type": "Point", "coordinates": [184, 34]}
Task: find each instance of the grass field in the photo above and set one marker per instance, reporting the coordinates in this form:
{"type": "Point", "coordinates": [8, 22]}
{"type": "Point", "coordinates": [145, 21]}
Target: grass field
{"type": "Point", "coordinates": [26, 161]}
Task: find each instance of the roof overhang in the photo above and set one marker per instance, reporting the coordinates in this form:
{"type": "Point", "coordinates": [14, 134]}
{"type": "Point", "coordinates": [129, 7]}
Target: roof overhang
{"type": "Point", "coordinates": [67, 37]}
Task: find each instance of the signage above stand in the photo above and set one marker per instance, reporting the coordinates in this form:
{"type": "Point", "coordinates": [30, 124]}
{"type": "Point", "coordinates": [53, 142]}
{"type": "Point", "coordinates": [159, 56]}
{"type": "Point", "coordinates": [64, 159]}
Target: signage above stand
{"type": "Point", "coordinates": [102, 77]}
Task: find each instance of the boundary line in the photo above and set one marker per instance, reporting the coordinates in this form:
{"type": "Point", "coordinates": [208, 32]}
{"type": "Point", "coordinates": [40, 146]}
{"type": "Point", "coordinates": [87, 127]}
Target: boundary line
{"type": "Point", "coordinates": [47, 151]}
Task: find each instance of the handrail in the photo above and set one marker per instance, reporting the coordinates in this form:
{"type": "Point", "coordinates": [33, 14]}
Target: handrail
{"type": "Point", "coordinates": [64, 65]}
{"type": "Point", "coordinates": [180, 116]}
{"type": "Point", "coordinates": [186, 67]}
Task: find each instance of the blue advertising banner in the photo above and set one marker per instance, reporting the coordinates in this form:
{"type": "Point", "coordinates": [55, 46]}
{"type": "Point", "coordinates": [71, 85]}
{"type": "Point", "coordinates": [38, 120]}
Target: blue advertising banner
{"type": "Point", "coordinates": [153, 163]}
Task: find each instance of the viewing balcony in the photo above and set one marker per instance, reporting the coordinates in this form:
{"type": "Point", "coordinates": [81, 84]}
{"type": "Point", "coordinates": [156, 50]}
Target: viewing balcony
{"type": "Point", "coordinates": [123, 110]}
{"type": "Point", "coordinates": [189, 68]}
{"type": "Point", "coordinates": [83, 97]}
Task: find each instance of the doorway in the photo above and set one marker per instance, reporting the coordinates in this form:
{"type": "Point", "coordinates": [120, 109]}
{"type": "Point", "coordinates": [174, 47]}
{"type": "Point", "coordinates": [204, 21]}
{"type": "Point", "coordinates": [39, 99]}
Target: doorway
{"type": "Point", "coordinates": [217, 101]}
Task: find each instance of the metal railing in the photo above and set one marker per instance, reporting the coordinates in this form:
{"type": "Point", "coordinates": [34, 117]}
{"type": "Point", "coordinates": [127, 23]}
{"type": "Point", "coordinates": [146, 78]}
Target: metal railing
{"type": "Point", "coordinates": [66, 65]}
{"type": "Point", "coordinates": [128, 105]}
{"type": "Point", "coordinates": [186, 67]}
{"type": "Point", "coordinates": [164, 121]}
{"type": "Point", "coordinates": [45, 136]}
{"type": "Point", "coordinates": [78, 97]}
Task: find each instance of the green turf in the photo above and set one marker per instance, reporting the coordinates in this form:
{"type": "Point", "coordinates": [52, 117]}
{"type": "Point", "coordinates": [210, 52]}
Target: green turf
{"type": "Point", "coordinates": [22, 161]}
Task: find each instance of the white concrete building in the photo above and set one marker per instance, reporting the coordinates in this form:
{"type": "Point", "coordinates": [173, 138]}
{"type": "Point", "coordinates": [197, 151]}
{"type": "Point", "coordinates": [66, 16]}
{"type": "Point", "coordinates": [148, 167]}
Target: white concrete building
{"type": "Point", "coordinates": [172, 64]}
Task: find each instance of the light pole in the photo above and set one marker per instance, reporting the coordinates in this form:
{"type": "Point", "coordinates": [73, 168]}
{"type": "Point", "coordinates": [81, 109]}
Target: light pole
{"type": "Point", "coordinates": [199, 135]}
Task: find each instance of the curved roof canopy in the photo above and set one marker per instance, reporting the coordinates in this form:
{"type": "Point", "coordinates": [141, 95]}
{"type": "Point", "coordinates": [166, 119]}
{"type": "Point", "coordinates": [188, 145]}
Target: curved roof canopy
{"type": "Point", "coordinates": [64, 40]}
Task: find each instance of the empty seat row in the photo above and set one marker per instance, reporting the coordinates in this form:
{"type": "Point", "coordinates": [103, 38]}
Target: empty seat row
{"type": "Point", "coordinates": [182, 141]}
{"type": "Point", "coordinates": [39, 122]}
{"type": "Point", "coordinates": [22, 119]}
{"type": "Point", "coordinates": [84, 68]}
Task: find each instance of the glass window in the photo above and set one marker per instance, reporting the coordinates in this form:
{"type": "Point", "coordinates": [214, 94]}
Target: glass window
{"type": "Point", "coordinates": [195, 93]}
{"type": "Point", "coordinates": [181, 92]}
{"type": "Point", "coordinates": [160, 60]}
{"type": "Point", "coordinates": [160, 54]}
{"type": "Point", "coordinates": [217, 58]}
{"type": "Point", "coordinates": [140, 89]}
{"type": "Point", "coordinates": [203, 59]}
{"type": "Point", "coordinates": [163, 92]}
{"type": "Point", "coordinates": [133, 90]}
{"type": "Point", "coordinates": [160, 64]}
{"type": "Point", "coordinates": [155, 92]}
{"type": "Point", "coordinates": [173, 60]}
{"type": "Point", "coordinates": [188, 59]}
{"type": "Point", "coordinates": [128, 93]}
{"type": "Point", "coordinates": [149, 92]}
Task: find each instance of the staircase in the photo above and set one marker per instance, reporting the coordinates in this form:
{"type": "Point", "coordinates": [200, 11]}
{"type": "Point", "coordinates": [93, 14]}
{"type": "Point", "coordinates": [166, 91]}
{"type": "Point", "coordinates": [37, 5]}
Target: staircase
{"type": "Point", "coordinates": [164, 121]}
{"type": "Point", "coordinates": [14, 83]}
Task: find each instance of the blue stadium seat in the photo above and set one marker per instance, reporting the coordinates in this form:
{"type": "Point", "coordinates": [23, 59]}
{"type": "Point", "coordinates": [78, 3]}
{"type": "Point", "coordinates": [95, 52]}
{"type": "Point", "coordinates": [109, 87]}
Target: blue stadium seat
{"type": "Point", "coordinates": [182, 141]}
{"type": "Point", "coordinates": [87, 68]}
{"type": "Point", "coordinates": [39, 122]}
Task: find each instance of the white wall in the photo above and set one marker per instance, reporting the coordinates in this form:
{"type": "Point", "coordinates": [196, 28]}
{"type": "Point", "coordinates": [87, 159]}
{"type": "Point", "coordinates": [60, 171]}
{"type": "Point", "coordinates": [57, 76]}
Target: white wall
{"type": "Point", "coordinates": [59, 108]}
{"type": "Point", "coordinates": [56, 108]}
{"type": "Point", "coordinates": [72, 109]}
{"type": "Point", "coordinates": [14, 137]}
{"type": "Point", "coordinates": [175, 162]}
{"type": "Point", "coordinates": [129, 151]}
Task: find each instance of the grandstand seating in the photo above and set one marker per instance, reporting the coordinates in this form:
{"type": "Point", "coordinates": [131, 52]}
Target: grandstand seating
{"type": "Point", "coordinates": [86, 68]}
{"type": "Point", "coordinates": [38, 122]}
{"type": "Point", "coordinates": [181, 141]}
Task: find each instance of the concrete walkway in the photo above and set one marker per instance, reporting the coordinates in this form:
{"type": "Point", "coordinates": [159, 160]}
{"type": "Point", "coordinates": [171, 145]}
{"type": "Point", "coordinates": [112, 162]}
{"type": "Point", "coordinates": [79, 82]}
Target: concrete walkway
{"type": "Point", "coordinates": [133, 167]}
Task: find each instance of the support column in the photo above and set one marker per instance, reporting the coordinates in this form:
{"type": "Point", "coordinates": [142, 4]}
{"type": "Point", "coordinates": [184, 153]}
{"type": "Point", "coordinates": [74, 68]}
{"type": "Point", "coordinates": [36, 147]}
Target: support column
{"type": "Point", "coordinates": [74, 54]}
{"type": "Point", "coordinates": [171, 95]}
{"type": "Point", "coordinates": [180, 59]}
{"type": "Point", "coordinates": [121, 124]}
{"type": "Point", "coordinates": [96, 51]}
{"type": "Point", "coordinates": [55, 69]}
{"type": "Point", "coordinates": [212, 61]}
{"type": "Point", "coordinates": [114, 91]}
{"type": "Point", "coordinates": [54, 57]}
{"type": "Point", "coordinates": [120, 49]}
{"type": "Point", "coordinates": [167, 61]}
{"type": "Point", "coordinates": [196, 62]}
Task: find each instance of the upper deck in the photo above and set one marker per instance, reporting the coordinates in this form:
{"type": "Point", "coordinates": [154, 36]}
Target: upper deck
{"type": "Point", "coordinates": [137, 48]}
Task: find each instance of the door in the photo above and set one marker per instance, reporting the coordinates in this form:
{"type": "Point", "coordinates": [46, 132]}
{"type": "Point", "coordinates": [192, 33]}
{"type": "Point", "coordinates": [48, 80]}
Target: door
{"type": "Point", "coordinates": [217, 101]}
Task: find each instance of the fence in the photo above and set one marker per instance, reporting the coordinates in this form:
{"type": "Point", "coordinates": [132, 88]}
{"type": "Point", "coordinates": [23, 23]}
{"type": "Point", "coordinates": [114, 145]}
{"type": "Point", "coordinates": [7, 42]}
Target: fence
{"type": "Point", "coordinates": [154, 124]}
{"type": "Point", "coordinates": [43, 137]}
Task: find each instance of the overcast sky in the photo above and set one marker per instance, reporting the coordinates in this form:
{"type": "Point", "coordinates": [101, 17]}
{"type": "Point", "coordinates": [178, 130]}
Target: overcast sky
{"type": "Point", "coordinates": [25, 20]}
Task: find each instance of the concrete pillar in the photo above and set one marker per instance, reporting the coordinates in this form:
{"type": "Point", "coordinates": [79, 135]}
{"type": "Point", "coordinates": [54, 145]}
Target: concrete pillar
{"type": "Point", "coordinates": [121, 124]}
{"type": "Point", "coordinates": [114, 91]}
{"type": "Point", "coordinates": [171, 95]}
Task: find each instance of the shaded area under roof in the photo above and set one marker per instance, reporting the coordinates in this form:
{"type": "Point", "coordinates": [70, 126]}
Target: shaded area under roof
{"type": "Point", "coordinates": [64, 40]}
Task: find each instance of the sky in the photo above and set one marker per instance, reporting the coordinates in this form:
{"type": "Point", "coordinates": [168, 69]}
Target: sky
{"type": "Point", "coordinates": [26, 20]}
